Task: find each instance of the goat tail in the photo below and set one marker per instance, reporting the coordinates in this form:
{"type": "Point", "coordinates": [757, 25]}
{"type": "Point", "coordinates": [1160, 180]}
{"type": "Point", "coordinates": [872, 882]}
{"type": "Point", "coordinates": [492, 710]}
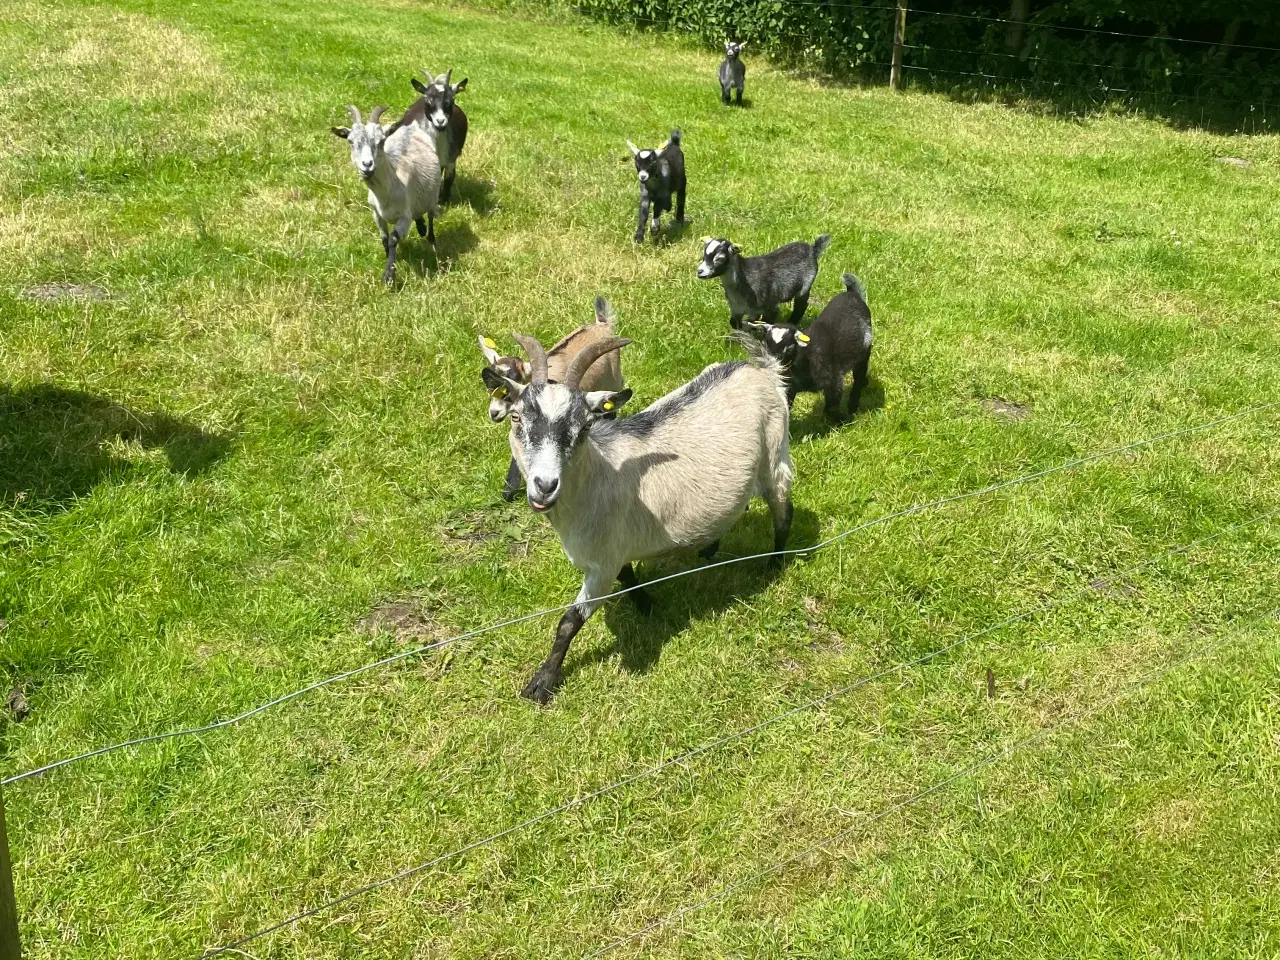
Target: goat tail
{"type": "Point", "coordinates": [854, 286]}
{"type": "Point", "coordinates": [604, 312]}
{"type": "Point", "coordinates": [821, 245]}
{"type": "Point", "coordinates": [676, 135]}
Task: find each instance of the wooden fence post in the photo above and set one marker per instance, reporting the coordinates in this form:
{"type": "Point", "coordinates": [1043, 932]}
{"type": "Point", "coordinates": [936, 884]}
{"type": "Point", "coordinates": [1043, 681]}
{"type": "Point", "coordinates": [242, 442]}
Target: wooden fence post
{"type": "Point", "coordinates": [899, 38]}
{"type": "Point", "coordinates": [10, 947]}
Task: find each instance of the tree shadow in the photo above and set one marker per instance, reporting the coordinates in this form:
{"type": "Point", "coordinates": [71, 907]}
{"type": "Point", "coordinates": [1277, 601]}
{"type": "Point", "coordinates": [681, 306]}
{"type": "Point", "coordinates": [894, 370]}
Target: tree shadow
{"type": "Point", "coordinates": [815, 422]}
{"type": "Point", "coordinates": [638, 639]}
{"type": "Point", "coordinates": [55, 444]}
{"type": "Point", "coordinates": [477, 194]}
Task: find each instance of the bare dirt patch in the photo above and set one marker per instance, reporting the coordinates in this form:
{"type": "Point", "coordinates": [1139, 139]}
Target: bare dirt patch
{"type": "Point", "coordinates": [1006, 409]}
{"type": "Point", "coordinates": [47, 292]}
{"type": "Point", "coordinates": [16, 704]}
{"type": "Point", "coordinates": [403, 620]}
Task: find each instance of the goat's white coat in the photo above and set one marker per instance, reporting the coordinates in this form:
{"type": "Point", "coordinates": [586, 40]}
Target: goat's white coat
{"type": "Point", "coordinates": [406, 179]}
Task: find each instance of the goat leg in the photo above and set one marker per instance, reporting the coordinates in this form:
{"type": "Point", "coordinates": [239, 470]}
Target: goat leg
{"type": "Point", "coordinates": [740, 89]}
{"type": "Point", "coordinates": [422, 227]}
{"type": "Point", "coordinates": [512, 485]}
{"type": "Point", "coordinates": [798, 308]}
{"type": "Point", "coordinates": [781, 530]}
{"type": "Point", "coordinates": [710, 550]}
{"type": "Point", "coordinates": [735, 321]}
{"type": "Point", "coordinates": [547, 677]}
{"type": "Point", "coordinates": [724, 94]}
{"type": "Point", "coordinates": [393, 240]}
{"type": "Point", "coordinates": [644, 216]}
{"type": "Point", "coordinates": [859, 381]}
{"type": "Point", "coordinates": [680, 202]}
{"type": "Point", "coordinates": [639, 596]}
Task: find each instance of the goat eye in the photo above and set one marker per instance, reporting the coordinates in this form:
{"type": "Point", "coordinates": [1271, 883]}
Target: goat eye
{"type": "Point", "coordinates": [515, 417]}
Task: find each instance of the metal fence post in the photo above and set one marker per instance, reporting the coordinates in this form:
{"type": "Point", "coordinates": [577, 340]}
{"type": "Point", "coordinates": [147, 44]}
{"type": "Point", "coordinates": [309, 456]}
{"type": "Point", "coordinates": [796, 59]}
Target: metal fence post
{"type": "Point", "coordinates": [899, 38]}
{"type": "Point", "coordinates": [10, 947]}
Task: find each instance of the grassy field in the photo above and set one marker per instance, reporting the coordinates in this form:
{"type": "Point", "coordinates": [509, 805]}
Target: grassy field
{"type": "Point", "coordinates": [232, 463]}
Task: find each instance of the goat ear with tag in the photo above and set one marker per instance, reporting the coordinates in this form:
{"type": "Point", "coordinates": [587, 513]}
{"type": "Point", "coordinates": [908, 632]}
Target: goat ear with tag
{"type": "Point", "coordinates": [802, 339]}
{"type": "Point", "coordinates": [602, 403]}
{"type": "Point", "coordinates": [489, 349]}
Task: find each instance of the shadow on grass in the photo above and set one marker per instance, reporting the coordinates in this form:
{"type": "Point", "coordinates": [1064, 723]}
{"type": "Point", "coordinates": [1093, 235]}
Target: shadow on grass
{"type": "Point", "coordinates": [814, 422]}
{"type": "Point", "coordinates": [452, 241]}
{"type": "Point", "coordinates": [477, 194]}
{"type": "Point", "coordinates": [639, 639]}
{"type": "Point", "coordinates": [54, 444]}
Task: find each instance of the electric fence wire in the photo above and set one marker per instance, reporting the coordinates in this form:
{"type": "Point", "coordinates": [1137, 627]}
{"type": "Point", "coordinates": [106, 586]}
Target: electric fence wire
{"type": "Point", "coordinates": [886, 812]}
{"type": "Point", "coordinates": [1094, 587]}
{"type": "Point", "coordinates": [821, 545]}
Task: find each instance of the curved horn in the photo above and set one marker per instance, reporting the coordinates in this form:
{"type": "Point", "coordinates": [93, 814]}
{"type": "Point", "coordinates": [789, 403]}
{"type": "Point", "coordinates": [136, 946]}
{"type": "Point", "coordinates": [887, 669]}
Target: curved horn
{"type": "Point", "coordinates": [448, 75]}
{"type": "Point", "coordinates": [537, 357]}
{"type": "Point", "coordinates": [589, 355]}
{"type": "Point", "coordinates": [355, 114]}
{"type": "Point", "coordinates": [377, 114]}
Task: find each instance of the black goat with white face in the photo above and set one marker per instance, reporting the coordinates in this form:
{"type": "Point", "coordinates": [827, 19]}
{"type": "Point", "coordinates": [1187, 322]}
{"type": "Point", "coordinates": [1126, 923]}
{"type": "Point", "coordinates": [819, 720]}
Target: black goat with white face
{"type": "Point", "coordinates": [733, 72]}
{"type": "Point", "coordinates": [436, 110]}
{"type": "Point", "coordinates": [661, 174]}
{"type": "Point", "coordinates": [836, 343]}
{"type": "Point", "coordinates": [756, 286]}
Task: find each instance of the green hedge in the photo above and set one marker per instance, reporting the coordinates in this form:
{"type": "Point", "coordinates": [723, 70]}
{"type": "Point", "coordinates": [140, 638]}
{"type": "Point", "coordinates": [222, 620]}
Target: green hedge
{"type": "Point", "coordinates": [1166, 49]}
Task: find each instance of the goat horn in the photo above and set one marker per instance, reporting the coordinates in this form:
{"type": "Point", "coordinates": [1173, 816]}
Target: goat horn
{"type": "Point", "coordinates": [537, 357]}
{"type": "Point", "coordinates": [589, 355]}
{"type": "Point", "coordinates": [377, 114]}
{"type": "Point", "coordinates": [355, 114]}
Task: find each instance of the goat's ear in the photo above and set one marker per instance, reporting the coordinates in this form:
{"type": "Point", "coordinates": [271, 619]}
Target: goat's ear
{"type": "Point", "coordinates": [802, 339]}
{"type": "Point", "coordinates": [457, 87]}
{"type": "Point", "coordinates": [727, 45]}
{"type": "Point", "coordinates": [342, 132]}
{"type": "Point", "coordinates": [489, 349]}
{"type": "Point", "coordinates": [500, 387]}
{"type": "Point", "coordinates": [759, 330]}
{"type": "Point", "coordinates": [635, 151]}
{"type": "Point", "coordinates": [742, 45]}
{"type": "Point", "coordinates": [492, 378]}
{"type": "Point", "coordinates": [394, 128]}
{"type": "Point", "coordinates": [419, 86]}
{"type": "Point", "coordinates": [601, 403]}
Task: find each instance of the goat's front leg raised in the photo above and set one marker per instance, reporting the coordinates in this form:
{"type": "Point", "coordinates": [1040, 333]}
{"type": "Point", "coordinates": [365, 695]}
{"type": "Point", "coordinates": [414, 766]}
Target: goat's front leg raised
{"type": "Point", "coordinates": [644, 216]}
{"type": "Point", "coordinates": [547, 677]}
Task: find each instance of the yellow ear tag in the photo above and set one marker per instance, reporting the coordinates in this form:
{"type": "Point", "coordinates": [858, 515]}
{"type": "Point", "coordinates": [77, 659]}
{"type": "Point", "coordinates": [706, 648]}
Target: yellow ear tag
{"type": "Point", "coordinates": [665, 144]}
{"type": "Point", "coordinates": [608, 404]}
{"type": "Point", "coordinates": [490, 344]}
{"type": "Point", "coordinates": [499, 393]}
{"type": "Point", "coordinates": [802, 338]}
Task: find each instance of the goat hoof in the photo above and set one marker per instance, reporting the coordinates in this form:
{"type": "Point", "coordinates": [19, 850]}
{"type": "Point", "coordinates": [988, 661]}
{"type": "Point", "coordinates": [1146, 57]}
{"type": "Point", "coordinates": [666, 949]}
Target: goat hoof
{"type": "Point", "coordinates": [509, 495]}
{"type": "Point", "coordinates": [642, 600]}
{"type": "Point", "coordinates": [540, 688]}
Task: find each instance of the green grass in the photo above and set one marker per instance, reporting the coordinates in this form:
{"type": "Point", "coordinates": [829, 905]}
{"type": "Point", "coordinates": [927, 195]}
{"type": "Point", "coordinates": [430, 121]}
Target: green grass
{"type": "Point", "coordinates": [213, 475]}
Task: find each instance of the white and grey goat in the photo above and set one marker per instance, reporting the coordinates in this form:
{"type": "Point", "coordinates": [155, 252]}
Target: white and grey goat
{"type": "Point", "coordinates": [401, 168]}
{"type": "Point", "coordinates": [756, 286]}
{"type": "Point", "coordinates": [604, 374]}
{"type": "Point", "coordinates": [436, 109]}
{"type": "Point", "coordinates": [674, 476]}
{"type": "Point", "coordinates": [733, 72]}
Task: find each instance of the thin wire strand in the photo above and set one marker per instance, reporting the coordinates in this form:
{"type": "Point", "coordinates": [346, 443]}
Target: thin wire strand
{"type": "Point", "coordinates": [821, 545]}
{"type": "Point", "coordinates": [718, 742]}
{"type": "Point", "coordinates": [937, 786]}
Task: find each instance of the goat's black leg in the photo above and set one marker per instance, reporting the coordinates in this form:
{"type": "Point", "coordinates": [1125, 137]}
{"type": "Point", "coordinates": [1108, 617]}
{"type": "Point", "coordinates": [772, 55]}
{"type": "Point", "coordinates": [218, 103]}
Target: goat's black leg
{"type": "Point", "coordinates": [831, 394]}
{"type": "Point", "coordinates": [431, 230]}
{"type": "Point", "coordinates": [724, 95]}
{"type": "Point", "coordinates": [791, 394]}
{"type": "Point", "coordinates": [446, 187]}
{"type": "Point", "coordinates": [798, 308]}
{"type": "Point", "coordinates": [680, 201]}
{"type": "Point", "coordinates": [512, 484]}
{"type": "Point", "coordinates": [781, 531]}
{"type": "Point", "coordinates": [422, 227]}
{"type": "Point", "coordinates": [389, 274]}
{"type": "Point", "coordinates": [710, 550]}
{"type": "Point", "coordinates": [740, 89]}
{"type": "Point", "coordinates": [735, 321]}
{"type": "Point", "coordinates": [547, 677]}
{"type": "Point", "coordinates": [859, 381]}
{"type": "Point", "coordinates": [644, 218]}
{"type": "Point", "coordinates": [639, 596]}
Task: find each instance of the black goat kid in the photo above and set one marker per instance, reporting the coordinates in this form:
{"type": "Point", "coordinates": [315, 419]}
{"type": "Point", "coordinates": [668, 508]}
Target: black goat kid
{"type": "Point", "coordinates": [836, 343]}
{"type": "Point", "coordinates": [661, 174]}
{"type": "Point", "coordinates": [733, 72]}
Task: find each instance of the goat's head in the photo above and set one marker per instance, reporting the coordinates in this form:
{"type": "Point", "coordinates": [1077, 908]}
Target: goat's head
{"type": "Point", "coordinates": [439, 94]}
{"type": "Point", "coordinates": [550, 420]}
{"type": "Point", "coordinates": [782, 341]}
{"type": "Point", "coordinates": [717, 252]}
{"type": "Point", "coordinates": [366, 139]}
{"type": "Point", "coordinates": [649, 163]}
{"type": "Point", "coordinates": [731, 49]}
{"type": "Point", "coordinates": [495, 376]}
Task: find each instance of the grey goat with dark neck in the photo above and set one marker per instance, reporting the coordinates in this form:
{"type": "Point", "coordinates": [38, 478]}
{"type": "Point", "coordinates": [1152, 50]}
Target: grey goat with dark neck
{"type": "Point", "coordinates": [733, 72]}
{"type": "Point", "coordinates": [756, 286]}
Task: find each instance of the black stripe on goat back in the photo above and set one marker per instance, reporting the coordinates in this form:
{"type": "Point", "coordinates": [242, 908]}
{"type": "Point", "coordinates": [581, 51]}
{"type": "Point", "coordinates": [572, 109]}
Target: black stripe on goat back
{"type": "Point", "coordinates": [646, 421]}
